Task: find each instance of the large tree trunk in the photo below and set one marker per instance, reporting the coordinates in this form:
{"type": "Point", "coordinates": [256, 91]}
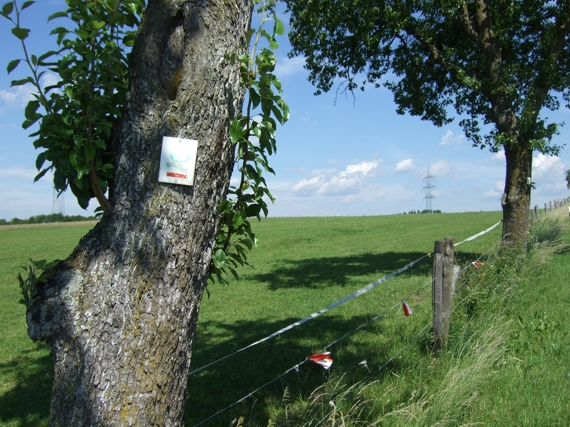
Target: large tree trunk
{"type": "Point", "coordinates": [516, 198]}
{"type": "Point", "coordinates": [119, 315]}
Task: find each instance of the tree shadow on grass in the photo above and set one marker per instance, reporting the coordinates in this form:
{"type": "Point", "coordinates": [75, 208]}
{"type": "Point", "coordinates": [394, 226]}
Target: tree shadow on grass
{"type": "Point", "coordinates": [324, 271]}
{"type": "Point", "coordinates": [321, 272]}
{"type": "Point", "coordinates": [226, 382]}
{"type": "Point", "coordinates": [27, 403]}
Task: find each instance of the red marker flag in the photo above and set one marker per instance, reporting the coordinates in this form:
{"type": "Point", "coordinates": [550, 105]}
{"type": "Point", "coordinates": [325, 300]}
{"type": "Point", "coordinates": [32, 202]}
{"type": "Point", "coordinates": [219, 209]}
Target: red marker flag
{"type": "Point", "coordinates": [406, 308]}
{"type": "Point", "coordinates": [322, 359]}
{"type": "Point", "coordinates": [477, 264]}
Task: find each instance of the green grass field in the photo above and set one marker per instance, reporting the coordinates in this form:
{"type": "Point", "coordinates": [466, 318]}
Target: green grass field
{"type": "Point", "coordinates": [300, 266]}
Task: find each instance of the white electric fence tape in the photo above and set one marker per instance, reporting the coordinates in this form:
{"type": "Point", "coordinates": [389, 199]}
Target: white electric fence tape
{"type": "Point", "coordinates": [317, 313]}
{"type": "Point", "coordinates": [335, 304]}
{"type": "Point", "coordinates": [478, 234]}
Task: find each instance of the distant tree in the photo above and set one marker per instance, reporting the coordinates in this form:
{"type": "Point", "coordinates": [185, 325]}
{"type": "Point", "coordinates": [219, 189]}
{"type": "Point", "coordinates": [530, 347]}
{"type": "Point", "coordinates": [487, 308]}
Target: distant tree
{"type": "Point", "coordinates": [568, 179]}
{"type": "Point", "coordinates": [498, 63]}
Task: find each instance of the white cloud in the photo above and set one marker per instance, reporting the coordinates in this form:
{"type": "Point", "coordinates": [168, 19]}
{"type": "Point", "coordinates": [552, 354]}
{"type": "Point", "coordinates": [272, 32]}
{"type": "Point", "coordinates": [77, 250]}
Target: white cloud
{"type": "Point", "coordinates": [547, 166]}
{"type": "Point", "coordinates": [330, 182]}
{"type": "Point", "coordinates": [441, 168]}
{"type": "Point", "coordinates": [495, 192]}
{"type": "Point", "coordinates": [17, 96]}
{"type": "Point", "coordinates": [18, 173]}
{"type": "Point", "coordinates": [288, 66]}
{"type": "Point", "coordinates": [499, 156]}
{"type": "Point", "coordinates": [451, 139]}
{"type": "Point", "coordinates": [405, 165]}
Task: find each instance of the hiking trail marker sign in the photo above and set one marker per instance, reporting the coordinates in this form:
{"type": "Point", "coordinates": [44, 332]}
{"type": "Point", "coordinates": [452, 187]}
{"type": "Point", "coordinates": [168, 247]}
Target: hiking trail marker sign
{"type": "Point", "coordinates": [177, 161]}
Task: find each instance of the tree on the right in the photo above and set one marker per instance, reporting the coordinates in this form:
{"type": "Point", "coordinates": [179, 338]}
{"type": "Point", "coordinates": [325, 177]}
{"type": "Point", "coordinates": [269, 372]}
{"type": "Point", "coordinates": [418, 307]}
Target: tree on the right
{"type": "Point", "coordinates": [496, 64]}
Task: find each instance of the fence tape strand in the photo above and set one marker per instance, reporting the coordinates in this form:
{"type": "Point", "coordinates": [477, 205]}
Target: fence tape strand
{"type": "Point", "coordinates": [478, 234]}
{"type": "Point", "coordinates": [335, 304]}
{"type": "Point", "coordinates": [317, 313]}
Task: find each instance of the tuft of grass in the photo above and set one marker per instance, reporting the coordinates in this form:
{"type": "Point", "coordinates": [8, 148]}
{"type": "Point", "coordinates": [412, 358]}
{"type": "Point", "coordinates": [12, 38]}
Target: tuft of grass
{"type": "Point", "coordinates": [467, 367]}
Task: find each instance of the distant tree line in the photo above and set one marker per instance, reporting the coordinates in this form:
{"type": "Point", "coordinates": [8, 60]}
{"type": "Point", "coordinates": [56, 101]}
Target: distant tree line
{"type": "Point", "coordinates": [40, 219]}
{"type": "Point", "coordinates": [425, 211]}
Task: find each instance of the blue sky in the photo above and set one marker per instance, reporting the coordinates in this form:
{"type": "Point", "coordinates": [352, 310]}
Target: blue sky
{"type": "Point", "coordinates": [337, 155]}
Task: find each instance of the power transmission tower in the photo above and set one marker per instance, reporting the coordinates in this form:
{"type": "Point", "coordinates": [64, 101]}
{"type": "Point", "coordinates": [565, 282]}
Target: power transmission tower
{"type": "Point", "coordinates": [58, 205]}
{"type": "Point", "coordinates": [428, 187]}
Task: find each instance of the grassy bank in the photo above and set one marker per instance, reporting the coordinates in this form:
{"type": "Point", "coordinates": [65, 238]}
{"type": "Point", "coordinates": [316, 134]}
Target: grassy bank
{"type": "Point", "coordinates": [504, 336]}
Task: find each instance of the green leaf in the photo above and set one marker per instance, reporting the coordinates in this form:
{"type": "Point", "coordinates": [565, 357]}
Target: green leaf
{"type": "Point", "coordinates": [21, 82]}
{"type": "Point", "coordinates": [73, 160]}
{"type": "Point", "coordinates": [279, 28]}
{"type": "Point", "coordinates": [38, 264]}
{"type": "Point", "coordinates": [239, 217]}
{"type": "Point", "coordinates": [254, 96]}
{"type": "Point", "coordinates": [83, 34]}
{"type": "Point", "coordinates": [21, 33]}
{"type": "Point", "coordinates": [31, 109]}
{"type": "Point", "coordinates": [27, 4]}
{"type": "Point", "coordinates": [90, 152]}
{"type": "Point", "coordinates": [12, 65]}
{"type": "Point", "coordinates": [253, 210]}
{"type": "Point", "coordinates": [236, 131]}
{"type": "Point", "coordinates": [57, 15]}
{"type": "Point", "coordinates": [219, 258]}
{"type": "Point", "coordinates": [41, 174]}
{"type": "Point", "coordinates": [7, 9]}
{"type": "Point", "coordinates": [30, 122]}
{"type": "Point", "coordinates": [97, 25]}
{"type": "Point", "coordinates": [40, 160]}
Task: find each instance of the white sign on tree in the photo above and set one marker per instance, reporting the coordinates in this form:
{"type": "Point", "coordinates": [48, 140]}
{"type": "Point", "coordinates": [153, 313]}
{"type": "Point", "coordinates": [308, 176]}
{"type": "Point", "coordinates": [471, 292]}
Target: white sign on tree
{"type": "Point", "coordinates": [177, 160]}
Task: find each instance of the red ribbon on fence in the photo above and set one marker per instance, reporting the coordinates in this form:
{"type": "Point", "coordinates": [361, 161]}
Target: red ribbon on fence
{"type": "Point", "coordinates": [322, 359]}
{"type": "Point", "coordinates": [407, 310]}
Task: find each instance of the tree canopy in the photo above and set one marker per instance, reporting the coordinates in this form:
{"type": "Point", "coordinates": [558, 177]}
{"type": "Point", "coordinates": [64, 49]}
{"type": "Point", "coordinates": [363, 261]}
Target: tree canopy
{"type": "Point", "coordinates": [499, 63]}
{"type": "Point", "coordinates": [462, 54]}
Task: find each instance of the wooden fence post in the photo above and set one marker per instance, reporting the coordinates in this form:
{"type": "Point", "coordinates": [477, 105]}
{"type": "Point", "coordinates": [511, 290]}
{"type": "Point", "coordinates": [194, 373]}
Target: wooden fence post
{"type": "Point", "coordinates": [443, 287]}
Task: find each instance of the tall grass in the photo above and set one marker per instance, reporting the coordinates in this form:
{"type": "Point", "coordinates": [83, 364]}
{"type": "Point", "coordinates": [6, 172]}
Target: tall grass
{"type": "Point", "coordinates": [503, 362]}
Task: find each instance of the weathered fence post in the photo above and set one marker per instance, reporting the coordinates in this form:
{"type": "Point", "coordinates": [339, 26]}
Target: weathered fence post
{"type": "Point", "coordinates": [536, 212]}
{"type": "Point", "coordinates": [443, 287]}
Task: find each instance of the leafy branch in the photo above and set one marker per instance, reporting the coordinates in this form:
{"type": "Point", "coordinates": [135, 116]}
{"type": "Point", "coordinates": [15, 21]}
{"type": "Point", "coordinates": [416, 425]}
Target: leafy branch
{"type": "Point", "coordinates": [76, 114]}
{"type": "Point", "coordinates": [253, 136]}
{"type": "Point", "coordinates": [37, 273]}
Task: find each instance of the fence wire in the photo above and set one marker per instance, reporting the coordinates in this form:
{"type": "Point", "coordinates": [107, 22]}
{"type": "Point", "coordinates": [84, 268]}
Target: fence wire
{"type": "Point", "coordinates": [335, 304]}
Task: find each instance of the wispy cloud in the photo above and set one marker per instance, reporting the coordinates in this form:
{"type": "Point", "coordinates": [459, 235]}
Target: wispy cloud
{"type": "Point", "coordinates": [288, 66]}
{"type": "Point", "coordinates": [405, 165]}
{"type": "Point", "coordinates": [330, 182]}
{"type": "Point", "coordinates": [19, 96]}
{"type": "Point", "coordinates": [550, 166]}
{"type": "Point", "coordinates": [496, 192]}
{"type": "Point", "coordinates": [440, 168]}
{"type": "Point", "coordinates": [451, 139]}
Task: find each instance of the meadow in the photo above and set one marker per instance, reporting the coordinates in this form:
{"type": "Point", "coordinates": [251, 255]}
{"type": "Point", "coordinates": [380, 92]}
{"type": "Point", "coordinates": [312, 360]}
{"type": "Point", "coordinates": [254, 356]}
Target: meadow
{"type": "Point", "coordinates": [505, 363]}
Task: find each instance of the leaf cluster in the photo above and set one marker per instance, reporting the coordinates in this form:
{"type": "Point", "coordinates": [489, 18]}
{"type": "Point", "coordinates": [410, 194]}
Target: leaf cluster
{"type": "Point", "coordinates": [76, 115]}
{"type": "Point", "coordinates": [37, 273]}
{"type": "Point", "coordinates": [253, 138]}
{"type": "Point", "coordinates": [483, 59]}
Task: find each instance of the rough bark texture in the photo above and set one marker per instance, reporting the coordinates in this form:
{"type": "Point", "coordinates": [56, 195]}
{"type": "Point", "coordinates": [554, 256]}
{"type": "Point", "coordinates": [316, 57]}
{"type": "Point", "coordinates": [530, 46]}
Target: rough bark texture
{"type": "Point", "coordinates": [516, 198]}
{"type": "Point", "coordinates": [119, 315]}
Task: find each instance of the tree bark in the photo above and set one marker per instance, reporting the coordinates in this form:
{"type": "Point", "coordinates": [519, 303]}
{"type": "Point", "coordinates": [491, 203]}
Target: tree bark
{"type": "Point", "coordinates": [120, 313]}
{"type": "Point", "coordinates": [516, 198]}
